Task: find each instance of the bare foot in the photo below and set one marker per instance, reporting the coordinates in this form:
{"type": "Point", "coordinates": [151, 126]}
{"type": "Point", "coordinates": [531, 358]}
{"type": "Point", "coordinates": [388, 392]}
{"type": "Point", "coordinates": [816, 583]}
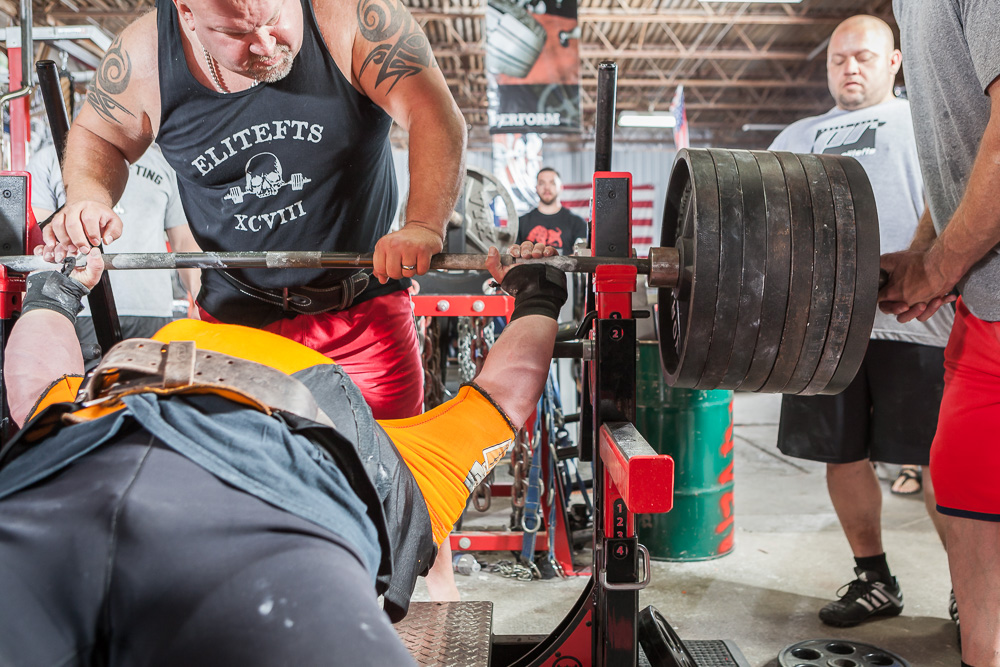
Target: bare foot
{"type": "Point", "coordinates": [909, 481]}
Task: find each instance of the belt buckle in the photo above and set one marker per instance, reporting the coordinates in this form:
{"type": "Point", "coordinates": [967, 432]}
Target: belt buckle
{"type": "Point", "coordinates": [291, 301]}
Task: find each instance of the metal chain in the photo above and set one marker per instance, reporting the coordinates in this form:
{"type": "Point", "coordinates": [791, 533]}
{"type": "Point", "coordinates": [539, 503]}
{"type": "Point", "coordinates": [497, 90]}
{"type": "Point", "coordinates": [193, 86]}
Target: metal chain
{"type": "Point", "coordinates": [466, 369]}
{"type": "Point", "coordinates": [512, 570]}
{"type": "Point", "coordinates": [520, 463]}
{"type": "Point", "coordinates": [488, 332]}
{"type": "Point", "coordinates": [482, 496]}
{"type": "Point", "coordinates": [475, 338]}
{"type": "Point", "coordinates": [429, 332]}
{"type": "Point", "coordinates": [483, 341]}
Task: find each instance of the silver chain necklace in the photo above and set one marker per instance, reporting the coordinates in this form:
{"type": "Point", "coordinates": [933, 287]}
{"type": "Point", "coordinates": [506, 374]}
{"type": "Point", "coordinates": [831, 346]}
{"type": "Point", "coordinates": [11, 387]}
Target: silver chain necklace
{"type": "Point", "coordinates": [213, 71]}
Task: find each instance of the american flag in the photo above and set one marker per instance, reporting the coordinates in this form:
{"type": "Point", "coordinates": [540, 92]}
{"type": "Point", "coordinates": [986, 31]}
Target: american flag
{"type": "Point", "coordinates": [681, 139]}
{"type": "Point", "coordinates": [576, 197]}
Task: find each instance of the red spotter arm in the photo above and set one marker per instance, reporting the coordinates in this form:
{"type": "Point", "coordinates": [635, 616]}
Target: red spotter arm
{"type": "Point", "coordinates": [633, 470]}
{"type": "Point", "coordinates": [462, 305]}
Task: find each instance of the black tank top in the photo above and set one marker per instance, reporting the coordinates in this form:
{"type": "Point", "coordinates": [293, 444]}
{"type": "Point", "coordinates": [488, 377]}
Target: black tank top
{"type": "Point", "coordinates": [301, 164]}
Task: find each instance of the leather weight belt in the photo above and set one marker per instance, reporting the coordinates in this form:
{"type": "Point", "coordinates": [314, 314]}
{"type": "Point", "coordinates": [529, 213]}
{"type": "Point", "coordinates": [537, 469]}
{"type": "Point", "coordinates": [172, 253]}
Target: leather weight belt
{"type": "Point", "coordinates": [140, 365]}
{"type": "Point", "coordinates": [307, 300]}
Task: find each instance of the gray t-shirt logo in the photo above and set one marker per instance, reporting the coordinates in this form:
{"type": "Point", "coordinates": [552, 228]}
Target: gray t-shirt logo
{"type": "Point", "coordinates": [854, 139]}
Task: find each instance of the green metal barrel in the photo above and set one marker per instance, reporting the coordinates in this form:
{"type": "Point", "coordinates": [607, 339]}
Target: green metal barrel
{"type": "Point", "coordinates": [696, 429]}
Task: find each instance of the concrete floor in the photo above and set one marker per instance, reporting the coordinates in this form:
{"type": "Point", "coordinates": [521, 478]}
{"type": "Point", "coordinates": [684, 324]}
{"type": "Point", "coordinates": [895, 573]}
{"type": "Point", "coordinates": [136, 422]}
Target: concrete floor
{"type": "Point", "coordinates": [789, 560]}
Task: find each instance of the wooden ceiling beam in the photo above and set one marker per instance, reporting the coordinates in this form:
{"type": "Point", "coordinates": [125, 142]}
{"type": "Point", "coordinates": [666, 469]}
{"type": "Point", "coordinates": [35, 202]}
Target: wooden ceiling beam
{"type": "Point", "coordinates": [586, 15]}
{"type": "Point", "coordinates": [611, 53]}
{"type": "Point", "coordinates": [605, 15]}
{"type": "Point", "coordinates": [454, 78]}
{"type": "Point", "coordinates": [97, 14]}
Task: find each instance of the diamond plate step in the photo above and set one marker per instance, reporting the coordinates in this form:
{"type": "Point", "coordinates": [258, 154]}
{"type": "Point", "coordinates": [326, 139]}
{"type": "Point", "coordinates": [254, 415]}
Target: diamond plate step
{"type": "Point", "coordinates": [448, 634]}
{"type": "Point", "coordinates": [708, 653]}
{"type": "Point", "coordinates": [715, 653]}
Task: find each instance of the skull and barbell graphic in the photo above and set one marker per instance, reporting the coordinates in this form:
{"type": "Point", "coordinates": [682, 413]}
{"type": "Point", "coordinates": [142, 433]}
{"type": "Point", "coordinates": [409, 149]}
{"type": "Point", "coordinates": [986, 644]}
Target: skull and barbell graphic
{"type": "Point", "coordinates": [264, 179]}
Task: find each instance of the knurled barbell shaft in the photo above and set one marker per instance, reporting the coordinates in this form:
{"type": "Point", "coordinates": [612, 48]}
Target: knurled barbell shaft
{"type": "Point", "coordinates": [661, 266]}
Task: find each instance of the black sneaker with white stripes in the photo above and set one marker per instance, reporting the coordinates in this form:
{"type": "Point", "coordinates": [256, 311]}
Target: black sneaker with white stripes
{"type": "Point", "coordinates": [866, 597]}
{"type": "Point", "coordinates": [953, 612]}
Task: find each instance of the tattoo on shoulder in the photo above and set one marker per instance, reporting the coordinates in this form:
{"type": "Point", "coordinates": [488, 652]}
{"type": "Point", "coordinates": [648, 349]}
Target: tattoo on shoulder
{"type": "Point", "coordinates": [405, 51]}
{"type": "Point", "coordinates": [111, 79]}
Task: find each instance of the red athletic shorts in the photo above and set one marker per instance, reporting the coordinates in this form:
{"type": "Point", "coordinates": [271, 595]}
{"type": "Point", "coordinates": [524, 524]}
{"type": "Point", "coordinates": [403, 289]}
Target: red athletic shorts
{"type": "Point", "coordinates": [966, 451]}
{"type": "Point", "coordinates": [375, 342]}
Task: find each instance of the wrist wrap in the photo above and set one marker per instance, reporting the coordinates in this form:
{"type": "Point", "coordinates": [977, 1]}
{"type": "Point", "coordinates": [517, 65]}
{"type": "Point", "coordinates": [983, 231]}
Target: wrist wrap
{"type": "Point", "coordinates": [538, 289]}
{"type": "Point", "coordinates": [52, 290]}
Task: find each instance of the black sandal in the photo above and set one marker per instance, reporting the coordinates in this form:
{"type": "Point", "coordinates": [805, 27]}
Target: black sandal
{"type": "Point", "coordinates": [906, 474]}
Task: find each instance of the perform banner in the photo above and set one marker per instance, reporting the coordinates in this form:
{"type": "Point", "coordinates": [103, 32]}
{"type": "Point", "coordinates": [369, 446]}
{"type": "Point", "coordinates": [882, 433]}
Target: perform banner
{"type": "Point", "coordinates": [533, 66]}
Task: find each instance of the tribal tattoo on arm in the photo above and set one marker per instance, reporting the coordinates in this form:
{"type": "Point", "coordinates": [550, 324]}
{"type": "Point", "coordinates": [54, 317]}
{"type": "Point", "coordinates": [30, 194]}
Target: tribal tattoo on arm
{"type": "Point", "coordinates": [406, 51]}
{"type": "Point", "coordinates": [112, 79]}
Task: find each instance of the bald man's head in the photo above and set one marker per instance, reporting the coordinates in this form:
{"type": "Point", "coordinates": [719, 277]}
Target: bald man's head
{"type": "Point", "coordinates": [258, 39]}
{"type": "Point", "coordinates": [861, 62]}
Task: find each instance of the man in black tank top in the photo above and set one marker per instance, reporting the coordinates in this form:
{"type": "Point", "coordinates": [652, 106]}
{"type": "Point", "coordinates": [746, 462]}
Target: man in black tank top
{"type": "Point", "coordinates": [276, 115]}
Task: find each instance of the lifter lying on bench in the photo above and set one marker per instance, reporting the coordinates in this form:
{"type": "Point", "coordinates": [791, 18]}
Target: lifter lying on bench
{"type": "Point", "coordinates": [232, 501]}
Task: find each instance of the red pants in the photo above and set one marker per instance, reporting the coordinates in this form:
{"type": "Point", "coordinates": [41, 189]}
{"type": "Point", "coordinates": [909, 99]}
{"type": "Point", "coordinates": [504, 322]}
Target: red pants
{"type": "Point", "coordinates": [375, 342]}
{"type": "Point", "coordinates": [966, 451]}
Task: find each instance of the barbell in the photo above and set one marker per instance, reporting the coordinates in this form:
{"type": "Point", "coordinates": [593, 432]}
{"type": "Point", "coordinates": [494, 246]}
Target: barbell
{"type": "Point", "coordinates": [663, 275]}
{"type": "Point", "coordinates": [767, 270]}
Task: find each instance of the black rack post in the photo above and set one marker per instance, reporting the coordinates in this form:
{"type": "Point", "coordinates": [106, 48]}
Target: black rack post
{"type": "Point", "coordinates": [101, 299]}
{"type": "Point", "coordinates": [607, 82]}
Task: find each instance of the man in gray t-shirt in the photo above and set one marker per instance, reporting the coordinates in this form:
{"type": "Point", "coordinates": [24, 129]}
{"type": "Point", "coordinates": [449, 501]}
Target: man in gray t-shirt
{"type": "Point", "coordinates": [152, 207]}
{"type": "Point", "coordinates": [953, 57]}
{"type": "Point", "coordinates": [888, 413]}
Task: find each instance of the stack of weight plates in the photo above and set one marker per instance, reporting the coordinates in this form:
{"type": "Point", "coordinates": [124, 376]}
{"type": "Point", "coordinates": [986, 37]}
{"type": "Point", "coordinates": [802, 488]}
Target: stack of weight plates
{"type": "Point", "coordinates": [779, 266]}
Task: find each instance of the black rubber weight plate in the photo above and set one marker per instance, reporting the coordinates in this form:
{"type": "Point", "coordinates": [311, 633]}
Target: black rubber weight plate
{"type": "Point", "coordinates": [662, 646]}
{"type": "Point", "coordinates": [754, 264]}
{"type": "Point", "coordinates": [824, 273]}
{"type": "Point", "coordinates": [843, 296]}
{"type": "Point", "coordinates": [730, 269]}
{"type": "Point", "coordinates": [866, 285]}
{"type": "Point", "coordinates": [800, 281]}
{"type": "Point", "coordinates": [691, 223]}
{"type": "Point", "coordinates": [777, 271]}
{"type": "Point", "coordinates": [674, 303]}
{"type": "Point", "coordinates": [837, 652]}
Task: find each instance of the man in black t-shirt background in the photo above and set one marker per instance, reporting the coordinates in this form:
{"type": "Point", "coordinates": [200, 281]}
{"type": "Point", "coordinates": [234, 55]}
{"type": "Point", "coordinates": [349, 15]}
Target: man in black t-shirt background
{"type": "Point", "coordinates": [551, 223]}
